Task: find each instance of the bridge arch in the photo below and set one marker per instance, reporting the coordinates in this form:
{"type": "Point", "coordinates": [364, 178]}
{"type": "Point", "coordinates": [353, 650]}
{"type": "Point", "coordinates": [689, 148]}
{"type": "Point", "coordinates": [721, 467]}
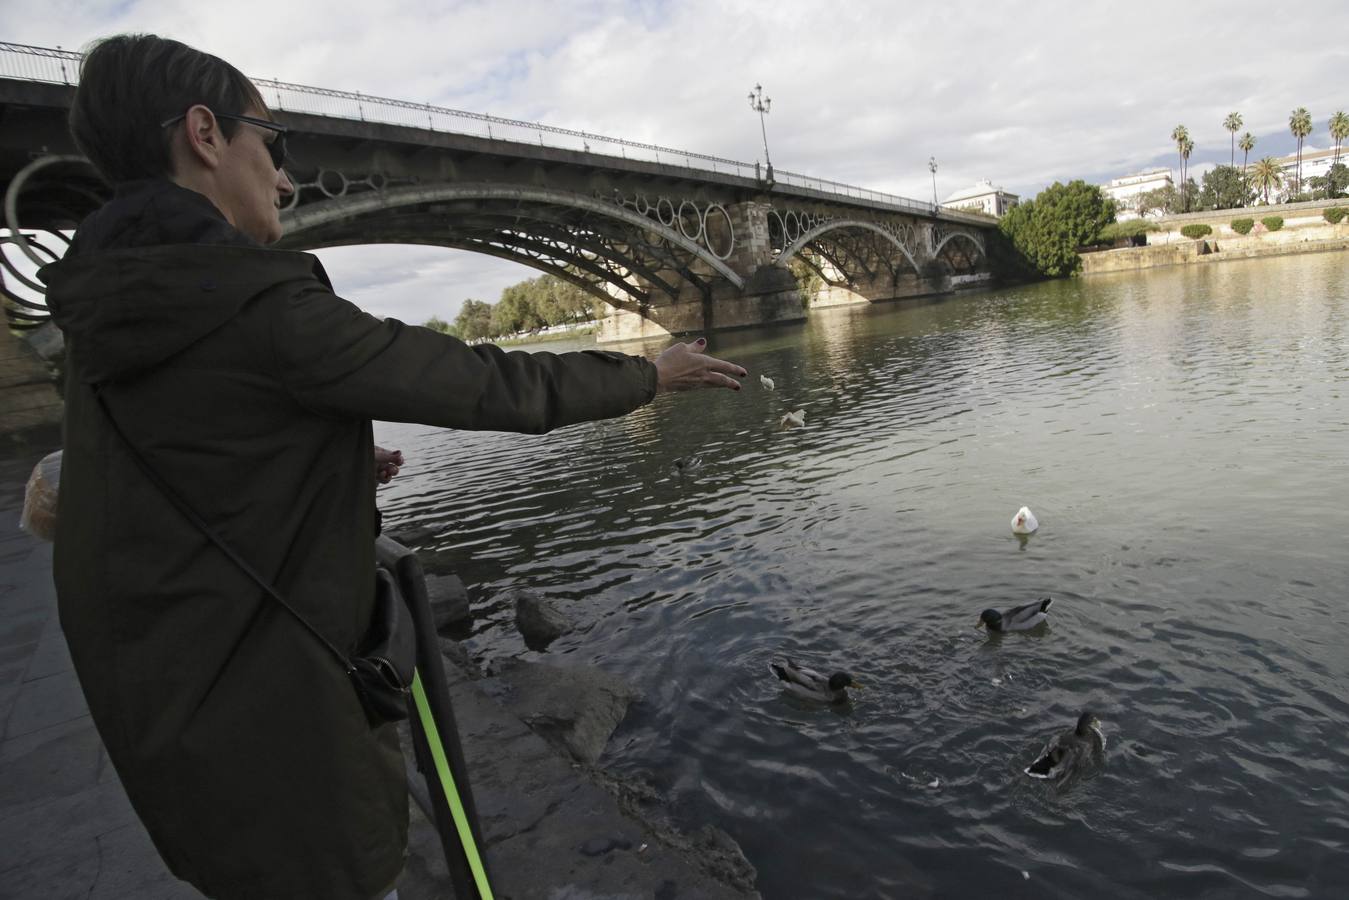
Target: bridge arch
{"type": "Point", "coordinates": [961, 257]}
{"type": "Point", "coordinates": [513, 211]}
{"type": "Point", "coordinates": [836, 224]}
{"type": "Point", "coordinates": [959, 234]}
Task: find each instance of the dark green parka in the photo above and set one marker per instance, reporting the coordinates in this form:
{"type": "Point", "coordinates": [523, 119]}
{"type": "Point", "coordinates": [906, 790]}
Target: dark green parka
{"type": "Point", "coordinates": [251, 388]}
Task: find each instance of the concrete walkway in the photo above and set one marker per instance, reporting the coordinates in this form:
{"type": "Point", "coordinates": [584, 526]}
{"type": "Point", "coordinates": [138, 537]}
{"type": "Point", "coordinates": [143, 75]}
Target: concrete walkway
{"type": "Point", "coordinates": [67, 829]}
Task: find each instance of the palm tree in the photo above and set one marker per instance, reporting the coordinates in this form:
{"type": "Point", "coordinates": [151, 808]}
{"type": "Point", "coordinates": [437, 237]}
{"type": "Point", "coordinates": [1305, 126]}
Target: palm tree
{"type": "Point", "coordinates": [1180, 134]}
{"type": "Point", "coordinates": [1233, 124]}
{"type": "Point", "coordinates": [1339, 130]}
{"type": "Point", "coordinates": [1267, 175]}
{"type": "Point", "coordinates": [1247, 144]}
{"type": "Point", "coordinates": [1186, 149]}
{"type": "Point", "coordinates": [1300, 124]}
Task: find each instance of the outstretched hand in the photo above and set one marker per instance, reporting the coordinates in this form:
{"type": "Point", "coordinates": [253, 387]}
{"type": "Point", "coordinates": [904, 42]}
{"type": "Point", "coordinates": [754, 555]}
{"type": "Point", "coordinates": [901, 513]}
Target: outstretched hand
{"type": "Point", "coordinates": [387, 464]}
{"type": "Point", "coordinates": [684, 367]}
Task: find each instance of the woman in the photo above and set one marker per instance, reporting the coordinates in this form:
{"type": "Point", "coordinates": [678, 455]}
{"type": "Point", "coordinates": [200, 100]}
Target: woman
{"type": "Point", "coordinates": [249, 388]}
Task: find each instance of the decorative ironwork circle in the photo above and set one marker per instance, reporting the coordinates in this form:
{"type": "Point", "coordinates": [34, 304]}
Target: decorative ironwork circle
{"type": "Point", "coordinates": [324, 178]}
{"type": "Point", "coordinates": [718, 232]}
{"type": "Point", "coordinates": [665, 212]}
{"type": "Point", "coordinates": [690, 217]}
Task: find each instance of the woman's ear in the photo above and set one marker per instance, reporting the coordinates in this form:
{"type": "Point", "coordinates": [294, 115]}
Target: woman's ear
{"type": "Point", "coordinates": [202, 142]}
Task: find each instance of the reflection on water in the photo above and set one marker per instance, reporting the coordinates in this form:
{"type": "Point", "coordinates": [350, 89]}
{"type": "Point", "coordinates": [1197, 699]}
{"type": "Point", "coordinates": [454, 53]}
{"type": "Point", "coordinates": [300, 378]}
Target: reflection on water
{"type": "Point", "coordinates": [1181, 437]}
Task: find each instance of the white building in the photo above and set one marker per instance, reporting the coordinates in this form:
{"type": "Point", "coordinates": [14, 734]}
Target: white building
{"type": "Point", "coordinates": [982, 197]}
{"type": "Point", "coordinates": [1127, 187]}
{"type": "Point", "coordinates": [1315, 164]}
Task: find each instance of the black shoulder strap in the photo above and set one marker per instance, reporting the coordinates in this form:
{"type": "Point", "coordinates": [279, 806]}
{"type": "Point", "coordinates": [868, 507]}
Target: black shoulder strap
{"type": "Point", "coordinates": [205, 529]}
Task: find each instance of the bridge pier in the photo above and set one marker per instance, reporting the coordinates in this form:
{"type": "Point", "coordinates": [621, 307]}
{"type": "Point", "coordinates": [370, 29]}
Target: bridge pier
{"type": "Point", "coordinates": [770, 293]}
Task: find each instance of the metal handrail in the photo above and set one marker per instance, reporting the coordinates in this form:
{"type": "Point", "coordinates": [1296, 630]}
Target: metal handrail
{"type": "Point", "coordinates": [57, 66]}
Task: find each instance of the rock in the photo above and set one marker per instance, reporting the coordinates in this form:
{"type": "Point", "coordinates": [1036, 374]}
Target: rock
{"type": "Point", "coordinates": [576, 708]}
{"type": "Point", "coordinates": [721, 855]}
{"type": "Point", "coordinates": [539, 621]}
{"type": "Point", "coordinates": [598, 846]}
{"type": "Point", "coordinates": [47, 340]}
{"type": "Point", "coordinates": [448, 598]}
{"type": "Point", "coordinates": [459, 664]}
{"type": "Point", "coordinates": [411, 535]}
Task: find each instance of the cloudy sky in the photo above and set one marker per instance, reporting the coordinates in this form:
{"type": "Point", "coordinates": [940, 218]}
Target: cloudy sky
{"type": "Point", "coordinates": [863, 92]}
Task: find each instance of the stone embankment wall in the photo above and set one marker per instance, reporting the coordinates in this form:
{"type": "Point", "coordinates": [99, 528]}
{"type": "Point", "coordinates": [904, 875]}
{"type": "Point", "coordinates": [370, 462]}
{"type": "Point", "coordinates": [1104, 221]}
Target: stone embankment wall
{"type": "Point", "coordinates": [1304, 231]}
{"type": "Point", "coordinates": [28, 397]}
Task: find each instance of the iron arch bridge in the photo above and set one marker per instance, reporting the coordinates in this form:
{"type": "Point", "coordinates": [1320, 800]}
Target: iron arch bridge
{"type": "Point", "coordinates": [673, 241]}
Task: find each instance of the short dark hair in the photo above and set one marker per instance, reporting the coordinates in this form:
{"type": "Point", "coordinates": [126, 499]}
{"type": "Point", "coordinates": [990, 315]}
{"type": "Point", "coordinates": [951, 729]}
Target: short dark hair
{"type": "Point", "coordinates": [130, 83]}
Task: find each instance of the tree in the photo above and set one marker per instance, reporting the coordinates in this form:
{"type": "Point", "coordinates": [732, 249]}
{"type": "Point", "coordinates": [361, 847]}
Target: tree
{"type": "Point", "coordinates": [1339, 130]}
{"type": "Point", "coordinates": [1300, 124]}
{"type": "Point", "coordinates": [474, 321]}
{"type": "Point", "coordinates": [1223, 188]}
{"type": "Point", "coordinates": [1247, 145]}
{"type": "Point", "coordinates": [1333, 183]}
{"type": "Point", "coordinates": [1181, 135]}
{"type": "Point", "coordinates": [1047, 231]}
{"type": "Point", "coordinates": [1160, 199]}
{"type": "Point", "coordinates": [435, 323]}
{"type": "Point", "coordinates": [1187, 183]}
{"type": "Point", "coordinates": [1233, 124]}
{"type": "Point", "coordinates": [1266, 175]}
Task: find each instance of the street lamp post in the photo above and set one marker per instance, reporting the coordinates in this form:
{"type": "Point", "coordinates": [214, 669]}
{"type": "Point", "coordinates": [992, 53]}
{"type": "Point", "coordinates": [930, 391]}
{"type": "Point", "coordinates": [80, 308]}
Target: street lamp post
{"type": "Point", "coordinates": [760, 104]}
{"type": "Point", "coordinates": [932, 167]}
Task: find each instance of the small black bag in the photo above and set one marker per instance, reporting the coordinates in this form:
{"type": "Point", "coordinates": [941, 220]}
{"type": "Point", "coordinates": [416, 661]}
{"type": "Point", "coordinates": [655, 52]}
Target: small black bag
{"type": "Point", "coordinates": [382, 669]}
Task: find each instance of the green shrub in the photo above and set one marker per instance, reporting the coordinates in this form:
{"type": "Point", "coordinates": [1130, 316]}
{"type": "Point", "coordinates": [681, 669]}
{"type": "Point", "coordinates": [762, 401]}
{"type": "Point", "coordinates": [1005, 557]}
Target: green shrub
{"type": "Point", "coordinates": [1243, 226]}
{"type": "Point", "coordinates": [1334, 214]}
{"type": "Point", "coordinates": [1130, 229]}
{"type": "Point", "coordinates": [1273, 223]}
{"type": "Point", "coordinates": [1196, 230]}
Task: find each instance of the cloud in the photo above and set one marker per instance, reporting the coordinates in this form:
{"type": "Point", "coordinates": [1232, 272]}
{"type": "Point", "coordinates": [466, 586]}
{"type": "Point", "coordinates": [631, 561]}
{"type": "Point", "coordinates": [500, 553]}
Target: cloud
{"type": "Point", "coordinates": [863, 92]}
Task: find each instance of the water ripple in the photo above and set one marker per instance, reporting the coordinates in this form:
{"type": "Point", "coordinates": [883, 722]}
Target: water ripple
{"type": "Point", "coordinates": [1179, 435]}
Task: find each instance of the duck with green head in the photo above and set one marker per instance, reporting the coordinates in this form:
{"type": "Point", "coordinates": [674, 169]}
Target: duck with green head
{"type": "Point", "coordinates": [808, 684]}
{"type": "Point", "coordinates": [1018, 618]}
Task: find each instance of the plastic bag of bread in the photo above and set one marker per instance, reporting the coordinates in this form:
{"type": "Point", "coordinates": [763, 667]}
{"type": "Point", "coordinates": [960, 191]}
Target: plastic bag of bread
{"type": "Point", "coordinates": [39, 499]}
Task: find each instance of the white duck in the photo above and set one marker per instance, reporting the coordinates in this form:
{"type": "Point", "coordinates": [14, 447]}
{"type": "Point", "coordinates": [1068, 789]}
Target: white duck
{"type": "Point", "coordinates": [795, 419]}
{"type": "Point", "coordinates": [766, 382]}
{"type": "Point", "coordinates": [1024, 522]}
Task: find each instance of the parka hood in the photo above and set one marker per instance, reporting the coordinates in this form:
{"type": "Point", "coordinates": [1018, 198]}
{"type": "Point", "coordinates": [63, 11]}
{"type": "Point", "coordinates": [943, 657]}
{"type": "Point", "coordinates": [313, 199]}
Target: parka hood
{"type": "Point", "coordinates": [154, 271]}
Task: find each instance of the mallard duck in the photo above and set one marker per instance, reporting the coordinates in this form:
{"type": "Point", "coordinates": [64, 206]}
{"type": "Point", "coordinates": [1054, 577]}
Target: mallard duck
{"type": "Point", "coordinates": [795, 419]}
{"type": "Point", "coordinates": [811, 685]}
{"type": "Point", "coordinates": [1018, 618]}
{"type": "Point", "coordinates": [766, 382]}
{"type": "Point", "coordinates": [1070, 751]}
{"type": "Point", "coordinates": [1024, 521]}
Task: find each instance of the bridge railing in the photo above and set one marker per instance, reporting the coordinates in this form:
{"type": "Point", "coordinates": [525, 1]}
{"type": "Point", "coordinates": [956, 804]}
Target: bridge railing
{"type": "Point", "coordinates": [57, 66]}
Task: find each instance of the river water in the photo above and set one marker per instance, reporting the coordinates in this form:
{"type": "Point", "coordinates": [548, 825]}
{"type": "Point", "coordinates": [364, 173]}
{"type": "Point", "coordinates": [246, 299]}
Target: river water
{"type": "Point", "coordinates": [1181, 436]}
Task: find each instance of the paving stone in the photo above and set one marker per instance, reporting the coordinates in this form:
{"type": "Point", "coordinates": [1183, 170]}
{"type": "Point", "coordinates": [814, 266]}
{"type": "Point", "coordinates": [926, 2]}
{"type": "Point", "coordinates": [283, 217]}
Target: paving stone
{"type": "Point", "coordinates": [23, 627]}
{"type": "Point", "coordinates": [131, 867]}
{"type": "Point", "coordinates": [48, 764]}
{"type": "Point", "coordinates": [51, 656]}
{"type": "Point", "coordinates": [53, 827]}
{"type": "Point", "coordinates": [67, 874]}
{"type": "Point", "coordinates": [45, 702]}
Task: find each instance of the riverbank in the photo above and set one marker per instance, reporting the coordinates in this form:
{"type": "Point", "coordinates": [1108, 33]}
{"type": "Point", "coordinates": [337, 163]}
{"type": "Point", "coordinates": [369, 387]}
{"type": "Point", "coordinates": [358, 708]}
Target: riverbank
{"type": "Point", "coordinates": [1203, 252]}
{"type": "Point", "coordinates": [553, 826]}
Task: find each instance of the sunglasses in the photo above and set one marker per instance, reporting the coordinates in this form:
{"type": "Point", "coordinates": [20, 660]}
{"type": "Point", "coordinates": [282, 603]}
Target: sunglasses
{"type": "Point", "coordinates": [276, 147]}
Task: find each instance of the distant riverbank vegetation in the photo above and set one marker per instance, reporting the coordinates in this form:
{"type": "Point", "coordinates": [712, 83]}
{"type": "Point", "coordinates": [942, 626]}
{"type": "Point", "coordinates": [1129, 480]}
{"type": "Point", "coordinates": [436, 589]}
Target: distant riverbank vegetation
{"type": "Point", "coordinates": [524, 308]}
{"type": "Point", "coordinates": [1230, 186]}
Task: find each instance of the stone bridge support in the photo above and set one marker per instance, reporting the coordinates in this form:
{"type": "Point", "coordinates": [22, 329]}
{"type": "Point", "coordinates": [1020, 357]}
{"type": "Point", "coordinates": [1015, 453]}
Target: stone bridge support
{"type": "Point", "coordinates": [770, 293]}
